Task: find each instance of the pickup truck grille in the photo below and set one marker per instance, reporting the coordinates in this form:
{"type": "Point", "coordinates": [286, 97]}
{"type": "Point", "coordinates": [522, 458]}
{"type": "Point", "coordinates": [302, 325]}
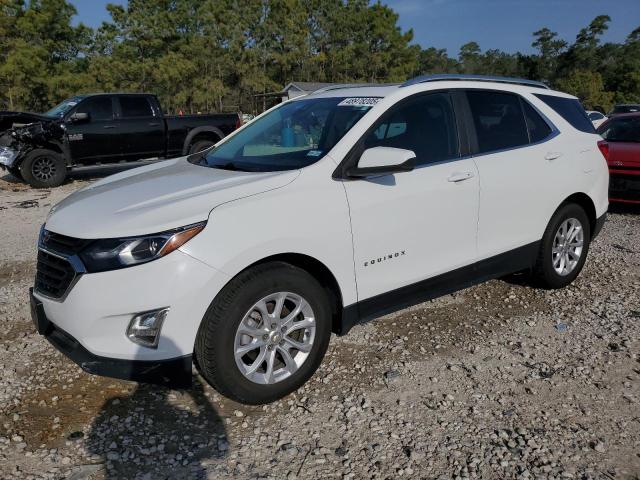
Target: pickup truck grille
{"type": "Point", "coordinates": [54, 275]}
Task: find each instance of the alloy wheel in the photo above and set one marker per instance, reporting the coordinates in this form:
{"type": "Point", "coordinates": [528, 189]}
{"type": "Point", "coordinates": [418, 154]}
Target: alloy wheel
{"type": "Point", "coordinates": [274, 338]}
{"type": "Point", "coordinates": [43, 168]}
{"type": "Point", "coordinates": [567, 246]}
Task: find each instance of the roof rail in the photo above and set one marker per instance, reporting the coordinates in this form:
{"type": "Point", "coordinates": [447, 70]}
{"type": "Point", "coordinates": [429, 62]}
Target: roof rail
{"type": "Point", "coordinates": [352, 85]}
{"type": "Point", "coordinates": [478, 78]}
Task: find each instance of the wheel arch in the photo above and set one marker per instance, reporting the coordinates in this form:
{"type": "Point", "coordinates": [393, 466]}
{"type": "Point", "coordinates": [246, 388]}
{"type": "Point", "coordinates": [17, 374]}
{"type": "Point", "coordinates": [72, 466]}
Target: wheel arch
{"type": "Point", "coordinates": [25, 151]}
{"type": "Point", "coordinates": [320, 272]}
{"type": "Point", "coordinates": [208, 133]}
{"type": "Point", "coordinates": [587, 205]}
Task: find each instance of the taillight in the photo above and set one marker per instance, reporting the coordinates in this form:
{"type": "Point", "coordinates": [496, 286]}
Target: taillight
{"type": "Point", "coordinates": [604, 149]}
{"type": "Point", "coordinates": [238, 122]}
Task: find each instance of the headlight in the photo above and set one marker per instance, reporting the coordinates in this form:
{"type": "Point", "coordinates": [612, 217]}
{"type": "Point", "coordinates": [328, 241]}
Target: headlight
{"type": "Point", "coordinates": [114, 253]}
{"type": "Point", "coordinates": [7, 156]}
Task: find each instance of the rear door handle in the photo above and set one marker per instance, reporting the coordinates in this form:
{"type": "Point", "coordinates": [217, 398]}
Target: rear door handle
{"type": "Point", "coordinates": [154, 124]}
{"type": "Point", "coordinates": [460, 176]}
{"type": "Point", "coordinates": [109, 126]}
{"type": "Point", "coordinates": [552, 155]}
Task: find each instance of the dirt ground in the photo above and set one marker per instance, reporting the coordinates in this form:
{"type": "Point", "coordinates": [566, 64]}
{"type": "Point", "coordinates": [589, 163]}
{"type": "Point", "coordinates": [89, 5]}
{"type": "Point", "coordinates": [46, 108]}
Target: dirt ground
{"type": "Point", "coordinates": [497, 381]}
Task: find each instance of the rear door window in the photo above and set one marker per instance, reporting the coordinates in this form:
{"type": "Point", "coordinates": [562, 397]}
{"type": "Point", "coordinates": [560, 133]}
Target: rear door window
{"type": "Point", "coordinates": [571, 110]}
{"type": "Point", "coordinates": [424, 124]}
{"type": "Point", "coordinates": [132, 107]}
{"type": "Point", "coordinates": [498, 119]}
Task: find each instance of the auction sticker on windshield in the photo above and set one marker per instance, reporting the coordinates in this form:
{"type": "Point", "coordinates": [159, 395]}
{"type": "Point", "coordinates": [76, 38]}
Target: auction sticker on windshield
{"type": "Point", "coordinates": [359, 102]}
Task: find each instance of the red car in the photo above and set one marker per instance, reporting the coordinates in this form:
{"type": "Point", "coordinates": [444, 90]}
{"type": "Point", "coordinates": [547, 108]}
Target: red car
{"type": "Point", "coordinates": [621, 148]}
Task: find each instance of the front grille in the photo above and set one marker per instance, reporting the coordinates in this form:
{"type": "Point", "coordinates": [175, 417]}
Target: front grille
{"type": "Point", "coordinates": [63, 244]}
{"type": "Point", "coordinates": [54, 275]}
{"type": "Point", "coordinates": [624, 187]}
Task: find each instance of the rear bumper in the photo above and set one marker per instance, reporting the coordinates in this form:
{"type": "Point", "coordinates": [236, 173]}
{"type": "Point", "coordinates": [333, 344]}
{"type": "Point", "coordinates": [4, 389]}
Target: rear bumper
{"type": "Point", "coordinates": [624, 187]}
{"type": "Point", "coordinates": [172, 372]}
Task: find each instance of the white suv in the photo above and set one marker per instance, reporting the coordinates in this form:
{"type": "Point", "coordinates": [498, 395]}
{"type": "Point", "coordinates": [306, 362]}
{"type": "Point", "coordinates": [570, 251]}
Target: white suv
{"type": "Point", "coordinates": [324, 212]}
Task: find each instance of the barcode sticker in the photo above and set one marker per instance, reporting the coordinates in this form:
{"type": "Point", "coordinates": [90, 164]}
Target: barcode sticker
{"type": "Point", "coordinates": [359, 102]}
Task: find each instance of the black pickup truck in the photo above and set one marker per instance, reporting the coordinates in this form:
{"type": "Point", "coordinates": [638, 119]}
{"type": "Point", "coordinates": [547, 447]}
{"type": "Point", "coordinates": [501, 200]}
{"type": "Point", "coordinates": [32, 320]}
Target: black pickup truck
{"type": "Point", "coordinates": [100, 129]}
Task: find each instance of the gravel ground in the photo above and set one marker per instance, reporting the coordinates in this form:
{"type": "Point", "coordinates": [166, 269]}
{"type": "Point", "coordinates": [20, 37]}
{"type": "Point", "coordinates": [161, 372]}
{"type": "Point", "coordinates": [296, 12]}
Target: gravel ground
{"type": "Point", "coordinates": [497, 381]}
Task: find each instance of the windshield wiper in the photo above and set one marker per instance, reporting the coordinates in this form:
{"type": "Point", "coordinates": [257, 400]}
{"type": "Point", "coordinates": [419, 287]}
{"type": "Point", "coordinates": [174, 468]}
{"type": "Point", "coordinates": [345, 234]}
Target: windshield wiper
{"type": "Point", "coordinates": [230, 166]}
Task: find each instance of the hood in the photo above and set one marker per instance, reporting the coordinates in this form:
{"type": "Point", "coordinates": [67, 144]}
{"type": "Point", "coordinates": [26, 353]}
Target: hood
{"type": "Point", "coordinates": [16, 119]}
{"type": "Point", "coordinates": [624, 154]}
{"type": "Point", "coordinates": [155, 198]}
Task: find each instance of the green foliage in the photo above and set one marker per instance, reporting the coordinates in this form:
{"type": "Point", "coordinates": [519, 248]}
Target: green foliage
{"type": "Point", "coordinates": [208, 55]}
{"type": "Point", "coordinates": [589, 88]}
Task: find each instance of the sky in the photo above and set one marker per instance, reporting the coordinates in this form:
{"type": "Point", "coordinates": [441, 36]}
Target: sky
{"type": "Point", "coordinates": [503, 24]}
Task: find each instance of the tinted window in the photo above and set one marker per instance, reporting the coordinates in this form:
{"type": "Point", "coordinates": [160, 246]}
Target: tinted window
{"type": "Point", "coordinates": [539, 129]}
{"type": "Point", "coordinates": [98, 108]}
{"type": "Point", "coordinates": [424, 124]}
{"type": "Point", "coordinates": [135, 107]}
{"type": "Point", "coordinates": [571, 110]}
{"type": "Point", "coordinates": [595, 116]}
{"type": "Point", "coordinates": [625, 129]}
{"type": "Point", "coordinates": [498, 120]}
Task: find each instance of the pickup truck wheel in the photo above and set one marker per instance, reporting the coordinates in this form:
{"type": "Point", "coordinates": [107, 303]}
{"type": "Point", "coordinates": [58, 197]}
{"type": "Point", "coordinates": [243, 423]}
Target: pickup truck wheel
{"type": "Point", "coordinates": [200, 145]}
{"type": "Point", "coordinates": [564, 247]}
{"type": "Point", "coordinates": [265, 334]}
{"type": "Point", "coordinates": [43, 169]}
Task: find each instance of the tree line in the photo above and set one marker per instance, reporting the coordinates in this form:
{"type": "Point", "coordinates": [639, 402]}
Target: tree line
{"type": "Point", "coordinates": [214, 55]}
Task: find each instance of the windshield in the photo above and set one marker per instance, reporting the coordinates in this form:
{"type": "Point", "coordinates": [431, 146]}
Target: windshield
{"type": "Point", "coordinates": [621, 130]}
{"type": "Point", "coordinates": [292, 136]}
{"type": "Point", "coordinates": [63, 107]}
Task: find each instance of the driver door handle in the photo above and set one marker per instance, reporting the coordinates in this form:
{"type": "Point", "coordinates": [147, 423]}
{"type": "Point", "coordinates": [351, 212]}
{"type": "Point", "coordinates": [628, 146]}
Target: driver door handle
{"type": "Point", "coordinates": [109, 126]}
{"type": "Point", "coordinates": [460, 176]}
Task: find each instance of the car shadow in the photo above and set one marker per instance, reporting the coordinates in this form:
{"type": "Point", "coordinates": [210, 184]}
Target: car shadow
{"type": "Point", "coordinates": [157, 432]}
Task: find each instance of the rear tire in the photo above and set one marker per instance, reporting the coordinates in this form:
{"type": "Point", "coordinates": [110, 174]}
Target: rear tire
{"type": "Point", "coordinates": [273, 368]}
{"type": "Point", "coordinates": [200, 145]}
{"type": "Point", "coordinates": [564, 247]}
{"type": "Point", "coordinates": [43, 169]}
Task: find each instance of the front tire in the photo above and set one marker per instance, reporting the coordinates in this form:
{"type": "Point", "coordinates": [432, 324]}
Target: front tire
{"type": "Point", "coordinates": [564, 247]}
{"type": "Point", "coordinates": [265, 333]}
{"type": "Point", "coordinates": [43, 169]}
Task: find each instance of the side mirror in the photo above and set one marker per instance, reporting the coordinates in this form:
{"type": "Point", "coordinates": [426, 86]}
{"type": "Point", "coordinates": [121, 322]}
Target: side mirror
{"type": "Point", "coordinates": [79, 117]}
{"type": "Point", "coordinates": [380, 161]}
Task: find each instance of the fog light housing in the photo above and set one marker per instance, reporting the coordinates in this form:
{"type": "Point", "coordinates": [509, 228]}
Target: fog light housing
{"type": "Point", "coordinates": [144, 328]}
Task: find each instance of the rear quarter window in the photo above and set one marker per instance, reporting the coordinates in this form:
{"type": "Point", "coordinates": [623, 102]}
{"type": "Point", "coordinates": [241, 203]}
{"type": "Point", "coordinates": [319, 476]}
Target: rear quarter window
{"type": "Point", "coordinates": [571, 110]}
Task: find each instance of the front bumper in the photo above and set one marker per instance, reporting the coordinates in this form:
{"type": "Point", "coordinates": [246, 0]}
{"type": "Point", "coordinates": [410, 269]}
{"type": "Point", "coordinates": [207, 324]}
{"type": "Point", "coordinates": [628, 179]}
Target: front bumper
{"type": "Point", "coordinates": [173, 372]}
{"type": "Point", "coordinates": [98, 307]}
